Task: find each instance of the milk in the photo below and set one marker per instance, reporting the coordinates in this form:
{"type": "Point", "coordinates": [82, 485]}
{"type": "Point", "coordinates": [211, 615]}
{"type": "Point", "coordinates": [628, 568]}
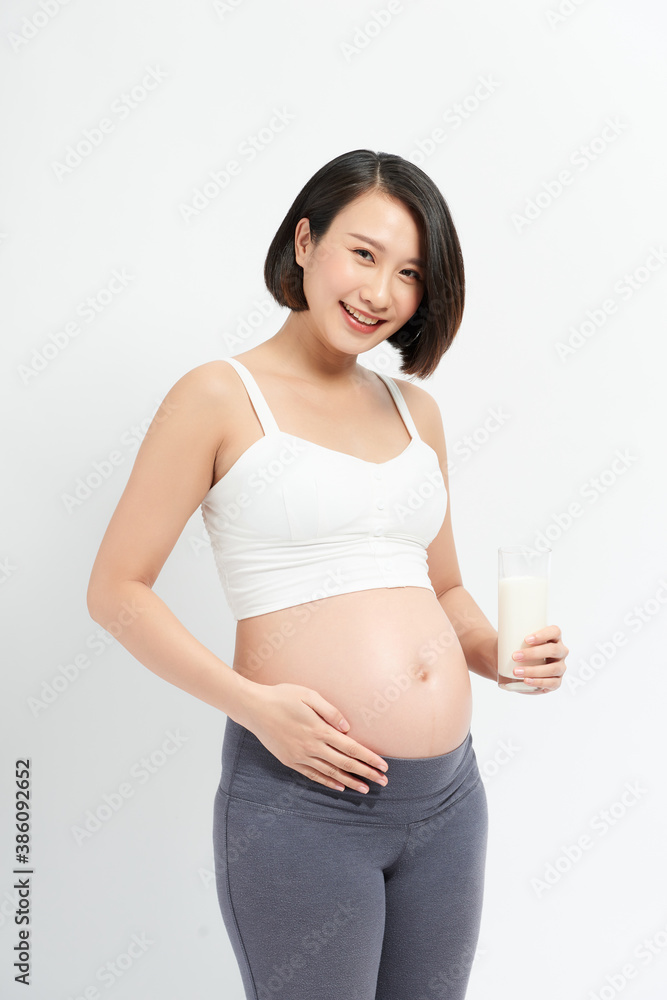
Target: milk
{"type": "Point", "coordinates": [522, 609]}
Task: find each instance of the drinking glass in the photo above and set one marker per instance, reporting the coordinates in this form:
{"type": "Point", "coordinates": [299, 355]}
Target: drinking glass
{"type": "Point", "coordinates": [523, 586]}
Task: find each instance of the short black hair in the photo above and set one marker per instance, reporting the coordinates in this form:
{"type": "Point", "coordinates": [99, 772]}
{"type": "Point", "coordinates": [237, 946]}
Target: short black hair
{"type": "Point", "coordinates": [426, 336]}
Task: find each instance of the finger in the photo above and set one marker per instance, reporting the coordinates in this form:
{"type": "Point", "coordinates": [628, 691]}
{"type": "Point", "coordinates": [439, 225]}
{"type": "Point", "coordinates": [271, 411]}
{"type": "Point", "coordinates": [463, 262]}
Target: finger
{"type": "Point", "coordinates": [356, 766]}
{"type": "Point", "coordinates": [319, 778]}
{"type": "Point", "coordinates": [548, 652]}
{"type": "Point", "coordinates": [549, 633]}
{"type": "Point", "coordinates": [545, 683]}
{"type": "Point", "coordinates": [537, 672]}
{"type": "Point", "coordinates": [538, 685]}
{"type": "Point", "coordinates": [347, 748]}
{"type": "Point", "coordinates": [331, 773]}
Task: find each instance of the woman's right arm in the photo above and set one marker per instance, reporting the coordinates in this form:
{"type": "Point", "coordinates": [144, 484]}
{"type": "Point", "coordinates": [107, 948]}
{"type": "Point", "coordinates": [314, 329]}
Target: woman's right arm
{"type": "Point", "coordinates": [172, 473]}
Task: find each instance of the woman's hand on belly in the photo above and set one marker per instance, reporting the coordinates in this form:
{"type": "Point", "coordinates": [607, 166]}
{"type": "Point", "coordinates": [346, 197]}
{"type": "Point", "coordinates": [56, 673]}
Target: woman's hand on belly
{"type": "Point", "coordinates": [301, 729]}
{"type": "Point", "coordinates": [389, 660]}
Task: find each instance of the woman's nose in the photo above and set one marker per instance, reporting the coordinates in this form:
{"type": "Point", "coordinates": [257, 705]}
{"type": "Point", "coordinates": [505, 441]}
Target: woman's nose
{"type": "Point", "coordinates": [376, 294]}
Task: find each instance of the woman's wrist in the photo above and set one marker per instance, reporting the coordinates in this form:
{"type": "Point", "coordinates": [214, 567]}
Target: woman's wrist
{"type": "Point", "coordinates": [244, 700]}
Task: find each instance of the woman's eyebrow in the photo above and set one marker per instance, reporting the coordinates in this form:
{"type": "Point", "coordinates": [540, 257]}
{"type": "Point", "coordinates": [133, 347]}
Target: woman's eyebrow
{"type": "Point", "coordinates": [378, 246]}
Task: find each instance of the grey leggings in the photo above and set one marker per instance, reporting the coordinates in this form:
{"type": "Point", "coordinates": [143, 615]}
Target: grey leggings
{"type": "Point", "coordinates": [328, 895]}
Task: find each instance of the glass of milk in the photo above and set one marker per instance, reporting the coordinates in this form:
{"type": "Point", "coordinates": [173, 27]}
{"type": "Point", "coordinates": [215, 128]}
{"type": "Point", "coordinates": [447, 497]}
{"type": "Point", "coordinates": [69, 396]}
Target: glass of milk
{"type": "Point", "coordinates": [523, 585]}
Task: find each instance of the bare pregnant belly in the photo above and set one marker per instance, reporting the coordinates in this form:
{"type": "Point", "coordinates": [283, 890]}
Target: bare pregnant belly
{"type": "Point", "coordinates": [388, 659]}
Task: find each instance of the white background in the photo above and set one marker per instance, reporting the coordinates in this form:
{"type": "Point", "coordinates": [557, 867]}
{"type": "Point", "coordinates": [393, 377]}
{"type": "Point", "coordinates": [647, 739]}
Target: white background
{"type": "Point", "coordinates": [196, 293]}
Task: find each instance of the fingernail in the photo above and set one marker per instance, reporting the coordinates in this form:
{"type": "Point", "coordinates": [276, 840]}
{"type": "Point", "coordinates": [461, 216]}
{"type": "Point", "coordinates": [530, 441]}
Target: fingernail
{"type": "Point", "coordinates": [518, 671]}
{"type": "Point", "coordinates": [530, 638]}
{"type": "Point", "coordinates": [517, 656]}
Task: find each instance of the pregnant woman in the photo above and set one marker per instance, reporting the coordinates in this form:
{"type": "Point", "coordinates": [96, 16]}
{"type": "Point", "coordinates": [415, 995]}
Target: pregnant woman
{"type": "Point", "coordinates": [350, 822]}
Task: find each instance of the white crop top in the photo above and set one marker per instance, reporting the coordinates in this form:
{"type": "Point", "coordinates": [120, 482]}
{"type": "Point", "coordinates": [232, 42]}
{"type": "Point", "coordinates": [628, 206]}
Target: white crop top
{"type": "Point", "coordinates": [293, 522]}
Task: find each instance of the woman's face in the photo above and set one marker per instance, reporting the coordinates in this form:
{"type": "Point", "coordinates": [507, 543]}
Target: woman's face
{"type": "Point", "coordinates": [370, 260]}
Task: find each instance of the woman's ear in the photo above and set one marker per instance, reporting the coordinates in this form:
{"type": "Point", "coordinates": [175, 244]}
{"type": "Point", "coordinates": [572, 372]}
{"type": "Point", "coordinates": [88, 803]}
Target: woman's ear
{"type": "Point", "coordinates": [302, 241]}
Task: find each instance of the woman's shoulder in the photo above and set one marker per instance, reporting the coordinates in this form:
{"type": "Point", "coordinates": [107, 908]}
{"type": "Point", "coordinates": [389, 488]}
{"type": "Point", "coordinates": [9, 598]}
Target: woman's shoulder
{"type": "Point", "coordinates": [424, 408]}
{"type": "Point", "coordinates": [416, 395]}
{"type": "Point", "coordinates": [208, 382]}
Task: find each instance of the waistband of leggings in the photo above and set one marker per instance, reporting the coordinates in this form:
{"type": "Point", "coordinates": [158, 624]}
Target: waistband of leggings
{"type": "Point", "coordinates": [251, 771]}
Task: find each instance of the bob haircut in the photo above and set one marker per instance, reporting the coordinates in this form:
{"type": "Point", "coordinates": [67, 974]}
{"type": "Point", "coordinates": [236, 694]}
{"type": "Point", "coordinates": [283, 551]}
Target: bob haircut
{"type": "Point", "coordinates": [426, 336]}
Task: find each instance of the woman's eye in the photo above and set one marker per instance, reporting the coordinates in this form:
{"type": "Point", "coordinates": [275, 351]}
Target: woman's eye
{"type": "Point", "coordinates": [407, 270]}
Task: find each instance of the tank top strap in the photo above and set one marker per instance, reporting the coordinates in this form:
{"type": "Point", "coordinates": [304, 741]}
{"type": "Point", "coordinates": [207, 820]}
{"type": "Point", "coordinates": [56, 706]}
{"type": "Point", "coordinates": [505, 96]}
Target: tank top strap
{"type": "Point", "coordinates": [401, 404]}
{"type": "Point", "coordinates": [261, 407]}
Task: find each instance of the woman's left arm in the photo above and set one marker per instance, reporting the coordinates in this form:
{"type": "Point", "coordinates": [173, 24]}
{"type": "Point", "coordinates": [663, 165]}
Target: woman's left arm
{"type": "Point", "coordinates": [478, 637]}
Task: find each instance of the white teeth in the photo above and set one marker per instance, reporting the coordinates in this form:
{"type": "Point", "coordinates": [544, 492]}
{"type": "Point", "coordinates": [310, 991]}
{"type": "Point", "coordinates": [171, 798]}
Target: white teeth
{"type": "Point", "coordinates": [362, 319]}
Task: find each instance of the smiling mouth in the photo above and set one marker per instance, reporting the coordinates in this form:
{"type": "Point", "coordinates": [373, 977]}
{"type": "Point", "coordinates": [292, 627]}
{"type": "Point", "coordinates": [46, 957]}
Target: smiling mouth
{"type": "Point", "coordinates": [360, 317]}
